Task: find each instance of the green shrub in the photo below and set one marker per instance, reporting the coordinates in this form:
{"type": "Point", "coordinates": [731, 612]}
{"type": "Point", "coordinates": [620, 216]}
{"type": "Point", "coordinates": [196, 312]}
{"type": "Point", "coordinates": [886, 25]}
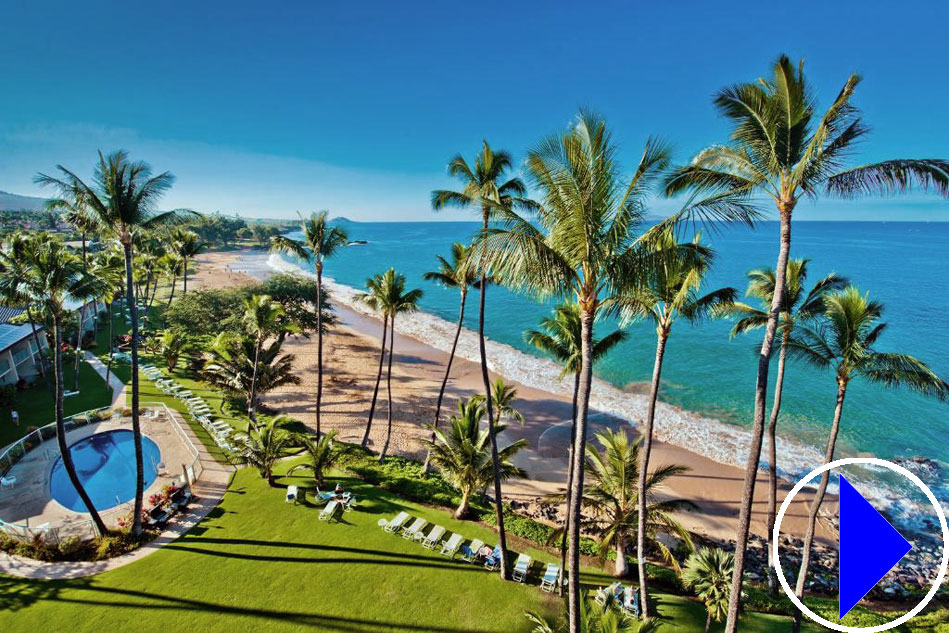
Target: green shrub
{"type": "Point", "coordinates": [70, 546]}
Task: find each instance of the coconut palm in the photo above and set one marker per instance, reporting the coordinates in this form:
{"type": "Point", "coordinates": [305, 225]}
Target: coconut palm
{"type": "Point", "coordinates": [560, 337]}
{"type": "Point", "coordinates": [74, 211]}
{"type": "Point", "coordinates": [121, 200]}
{"type": "Point", "coordinates": [461, 273]}
{"type": "Point", "coordinates": [670, 292]}
{"type": "Point", "coordinates": [463, 453]}
{"type": "Point", "coordinates": [708, 573]}
{"type": "Point", "coordinates": [54, 276]}
{"type": "Point", "coordinates": [320, 241]}
{"type": "Point", "coordinates": [486, 188]}
{"type": "Point", "coordinates": [781, 150]}
{"type": "Point", "coordinates": [594, 618]}
{"type": "Point", "coordinates": [14, 252]}
{"type": "Point", "coordinates": [187, 245]}
{"type": "Point", "coordinates": [230, 364]}
{"type": "Point", "coordinates": [263, 319]}
{"type": "Point", "coordinates": [171, 344]}
{"type": "Point", "coordinates": [798, 306]}
{"type": "Point", "coordinates": [844, 339]}
{"type": "Point", "coordinates": [611, 499]}
{"type": "Point", "coordinates": [109, 268]}
{"type": "Point", "coordinates": [171, 265]}
{"type": "Point", "coordinates": [263, 447]}
{"type": "Point", "coordinates": [388, 296]}
{"type": "Point", "coordinates": [321, 456]}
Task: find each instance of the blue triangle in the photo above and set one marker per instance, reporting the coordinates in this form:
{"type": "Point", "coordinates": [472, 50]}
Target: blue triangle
{"type": "Point", "coordinates": [869, 548]}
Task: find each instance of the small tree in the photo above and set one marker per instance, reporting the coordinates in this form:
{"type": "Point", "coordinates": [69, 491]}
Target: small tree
{"type": "Point", "coordinates": [321, 456]}
{"type": "Point", "coordinates": [263, 447]}
{"type": "Point", "coordinates": [171, 344]}
{"type": "Point", "coordinates": [708, 572]}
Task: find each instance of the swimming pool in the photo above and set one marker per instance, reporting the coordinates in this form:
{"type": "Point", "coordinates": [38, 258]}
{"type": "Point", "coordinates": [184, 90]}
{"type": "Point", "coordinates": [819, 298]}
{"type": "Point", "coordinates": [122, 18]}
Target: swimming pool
{"type": "Point", "coordinates": [105, 464]}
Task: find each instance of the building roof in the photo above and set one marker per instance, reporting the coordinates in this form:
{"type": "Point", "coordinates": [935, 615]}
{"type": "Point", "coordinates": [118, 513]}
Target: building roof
{"type": "Point", "coordinates": [8, 313]}
{"type": "Point", "coordinates": [10, 335]}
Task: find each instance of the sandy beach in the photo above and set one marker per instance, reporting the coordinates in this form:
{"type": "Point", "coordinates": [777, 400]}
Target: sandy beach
{"type": "Point", "coordinates": [351, 356]}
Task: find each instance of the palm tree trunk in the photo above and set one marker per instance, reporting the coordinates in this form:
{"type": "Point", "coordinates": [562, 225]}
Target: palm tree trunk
{"type": "Point", "coordinates": [620, 566]}
{"type": "Point", "coordinates": [184, 290]}
{"type": "Point", "coordinates": [385, 447]}
{"type": "Point", "coordinates": [708, 621]}
{"type": "Point", "coordinates": [136, 426]}
{"type": "Point", "coordinates": [587, 315]}
{"type": "Point", "coordinates": [252, 394]}
{"type": "Point", "coordinates": [773, 459]}
{"type": "Point", "coordinates": [462, 510]}
{"type": "Point", "coordinates": [108, 368]}
{"type": "Point", "coordinates": [375, 392]}
{"type": "Point", "coordinates": [818, 500]}
{"type": "Point", "coordinates": [319, 345]}
{"type": "Point", "coordinates": [39, 348]}
{"type": "Point", "coordinates": [566, 518]}
{"type": "Point", "coordinates": [82, 318]}
{"type": "Point", "coordinates": [757, 431]}
{"type": "Point", "coordinates": [68, 465]}
{"type": "Point", "coordinates": [662, 335]}
{"type": "Point", "coordinates": [441, 392]}
{"type": "Point", "coordinates": [174, 282]}
{"type": "Point", "coordinates": [495, 466]}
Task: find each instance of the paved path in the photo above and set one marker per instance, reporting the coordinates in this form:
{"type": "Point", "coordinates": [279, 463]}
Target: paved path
{"type": "Point", "coordinates": [208, 490]}
{"type": "Point", "coordinates": [117, 386]}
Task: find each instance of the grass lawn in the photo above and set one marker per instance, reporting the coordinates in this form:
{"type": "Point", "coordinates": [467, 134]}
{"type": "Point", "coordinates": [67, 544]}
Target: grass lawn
{"type": "Point", "coordinates": [258, 563]}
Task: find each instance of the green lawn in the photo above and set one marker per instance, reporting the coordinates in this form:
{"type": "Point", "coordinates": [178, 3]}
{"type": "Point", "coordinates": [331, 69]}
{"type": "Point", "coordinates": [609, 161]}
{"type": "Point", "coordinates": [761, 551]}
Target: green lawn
{"type": "Point", "coordinates": [258, 563]}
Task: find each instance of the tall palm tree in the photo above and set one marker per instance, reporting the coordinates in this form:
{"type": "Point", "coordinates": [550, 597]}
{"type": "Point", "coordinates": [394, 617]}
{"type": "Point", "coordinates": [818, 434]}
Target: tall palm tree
{"type": "Point", "coordinates": [463, 453]}
{"type": "Point", "coordinates": [461, 273]}
{"type": "Point", "coordinates": [486, 187]}
{"type": "Point", "coordinates": [375, 298]}
{"type": "Point", "coordinates": [321, 456]}
{"type": "Point", "coordinates": [121, 202]}
{"type": "Point", "coordinates": [263, 447]}
{"type": "Point", "coordinates": [780, 150]}
{"type": "Point", "coordinates": [672, 291]}
{"type": "Point", "coordinates": [584, 246]}
{"type": "Point", "coordinates": [844, 340]}
{"type": "Point", "coordinates": [74, 211]}
{"type": "Point", "coordinates": [388, 296]}
{"type": "Point", "coordinates": [187, 245]}
{"type": "Point", "coordinates": [560, 337]}
{"type": "Point", "coordinates": [14, 252]}
{"type": "Point", "coordinates": [263, 319]}
{"type": "Point", "coordinates": [109, 268]}
{"type": "Point", "coordinates": [798, 306]}
{"type": "Point", "coordinates": [55, 276]}
{"type": "Point", "coordinates": [320, 240]}
{"type": "Point", "coordinates": [708, 573]}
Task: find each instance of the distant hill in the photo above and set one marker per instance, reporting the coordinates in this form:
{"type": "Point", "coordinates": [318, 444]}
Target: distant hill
{"type": "Point", "coordinates": [13, 202]}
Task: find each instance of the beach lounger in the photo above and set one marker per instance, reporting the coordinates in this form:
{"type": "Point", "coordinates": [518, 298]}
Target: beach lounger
{"type": "Point", "coordinates": [414, 531]}
{"type": "Point", "coordinates": [493, 562]}
{"type": "Point", "coordinates": [349, 504]}
{"type": "Point", "coordinates": [291, 494]}
{"type": "Point", "coordinates": [551, 578]}
{"type": "Point", "coordinates": [630, 605]}
{"type": "Point", "coordinates": [329, 511]}
{"type": "Point", "coordinates": [605, 595]}
{"type": "Point", "coordinates": [434, 537]}
{"type": "Point", "coordinates": [521, 567]}
{"type": "Point", "coordinates": [396, 523]}
{"type": "Point", "coordinates": [470, 553]}
{"type": "Point", "coordinates": [450, 548]}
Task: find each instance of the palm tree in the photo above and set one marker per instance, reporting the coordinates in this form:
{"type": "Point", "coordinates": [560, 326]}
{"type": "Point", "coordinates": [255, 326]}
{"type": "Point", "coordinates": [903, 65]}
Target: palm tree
{"type": "Point", "coordinates": [463, 454]}
{"type": "Point", "coordinates": [583, 247]}
{"type": "Point", "coordinates": [669, 292]}
{"type": "Point", "coordinates": [53, 277]}
{"type": "Point", "coordinates": [612, 500]}
{"type": "Point", "coordinates": [561, 338]}
{"type": "Point", "coordinates": [781, 151]}
{"type": "Point", "coordinates": [171, 343]}
{"type": "Point", "coordinates": [75, 213]}
{"type": "Point", "coordinates": [187, 245]}
{"type": "Point", "coordinates": [320, 455]}
{"type": "Point", "coordinates": [230, 365]}
{"type": "Point", "coordinates": [844, 340]}
{"type": "Point", "coordinates": [461, 273]}
{"type": "Point", "coordinates": [121, 202]}
{"type": "Point", "coordinates": [485, 187]}
{"type": "Point", "coordinates": [708, 573]}
{"type": "Point", "coordinates": [387, 295]}
{"type": "Point", "coordinates": [263, 447]}
{"type": "Point", "coordinates": [595, 618]}
{"type": "Point", "coordinates": [109, 269]}
{"type": "Point", "coordinates": [13, 269]}
{"type": "Point", "coordinates": [263, 319]}
{"type": "Point", "coordinates": [798, 306]}
{"type": "Point", "coordinates": [320, 240]}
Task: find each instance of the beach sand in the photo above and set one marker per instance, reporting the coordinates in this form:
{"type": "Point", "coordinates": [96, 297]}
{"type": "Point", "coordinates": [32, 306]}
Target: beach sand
{"type": "Point", "coordinates": [351, 357]}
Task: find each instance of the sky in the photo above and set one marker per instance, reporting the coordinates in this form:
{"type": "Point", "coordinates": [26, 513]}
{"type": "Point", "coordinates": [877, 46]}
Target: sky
{"type": "Point", "coordinates": [265, 109]}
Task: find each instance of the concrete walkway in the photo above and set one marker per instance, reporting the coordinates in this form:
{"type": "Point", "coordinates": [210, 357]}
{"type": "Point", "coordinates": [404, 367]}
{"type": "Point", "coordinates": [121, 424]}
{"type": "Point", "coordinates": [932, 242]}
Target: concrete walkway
{"type": "Point", "coordinates": [117, 386]}
{"type": "Point", "coordinates": [208, 490]}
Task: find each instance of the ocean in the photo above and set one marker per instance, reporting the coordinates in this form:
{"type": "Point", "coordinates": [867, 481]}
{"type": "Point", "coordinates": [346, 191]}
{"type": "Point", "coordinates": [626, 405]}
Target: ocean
{"type": "Point", "coordinates": [706, 374]}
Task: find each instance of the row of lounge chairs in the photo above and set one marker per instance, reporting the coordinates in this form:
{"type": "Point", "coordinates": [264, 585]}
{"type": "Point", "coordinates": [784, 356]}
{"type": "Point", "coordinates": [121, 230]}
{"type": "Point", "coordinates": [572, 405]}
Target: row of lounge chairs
{"type": "Point", "coordinates": [626, 599]}
{"type": "Point", "coordinates": [474, 552]}
{"type": "Point", "coordinates": [198, 408]}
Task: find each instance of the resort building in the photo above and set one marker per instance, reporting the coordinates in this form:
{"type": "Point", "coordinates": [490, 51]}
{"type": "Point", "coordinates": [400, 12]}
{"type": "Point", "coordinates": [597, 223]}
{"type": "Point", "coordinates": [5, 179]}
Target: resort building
{"type": "Point", "coordinates": [19, 356]}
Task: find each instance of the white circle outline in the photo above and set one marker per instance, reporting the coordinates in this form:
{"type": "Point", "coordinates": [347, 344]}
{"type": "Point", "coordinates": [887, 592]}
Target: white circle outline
{"type": "Point", "coordinates": [860, 629]}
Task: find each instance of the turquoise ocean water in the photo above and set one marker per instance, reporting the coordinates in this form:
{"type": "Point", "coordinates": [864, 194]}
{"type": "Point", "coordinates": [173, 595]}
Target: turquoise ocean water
{"type": "Point", "coordinates": [902, 264]}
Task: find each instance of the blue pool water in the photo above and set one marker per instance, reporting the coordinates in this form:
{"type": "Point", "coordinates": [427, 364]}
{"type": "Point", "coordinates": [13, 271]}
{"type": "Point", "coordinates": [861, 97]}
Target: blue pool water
{"type": "Point", "coordinates": [105, 463]}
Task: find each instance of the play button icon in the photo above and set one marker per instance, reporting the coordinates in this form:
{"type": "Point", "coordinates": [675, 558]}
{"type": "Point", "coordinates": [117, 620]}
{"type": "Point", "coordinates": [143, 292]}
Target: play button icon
{"type": "Point", "coordinates": [869, 548]}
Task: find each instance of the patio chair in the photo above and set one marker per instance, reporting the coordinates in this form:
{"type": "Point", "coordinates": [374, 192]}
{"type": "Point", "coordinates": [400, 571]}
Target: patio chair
{"type": "Point", "coordinates": [493, 562]}
{"type": "Point", "coordinates": [329, 511]}
{"type": "Point", "coordinates": [450, 548]}
{"type": "Point", "coordinates": [349, 504]}
{"type": "Point", "coordinates": [395, 523]}
{"type": "Point", "coordinates": [521, 567]}
{"type": "Point", "coordinates": [7, 482]}
{"type": "Point", "coordinates": [470, 553]}
{"type": "Point", "coordinates": [434, 537]}
{"type": "Point", "coordinates": [291, 494]}
{"type": "Point", "coordinates": [551, 578]}
{"type": "Point", "coordinates": [414, 531]}
{"type": "Point", "coordinates": [605, 595]}
{"type": "Point", "coordinates": [630, 605]}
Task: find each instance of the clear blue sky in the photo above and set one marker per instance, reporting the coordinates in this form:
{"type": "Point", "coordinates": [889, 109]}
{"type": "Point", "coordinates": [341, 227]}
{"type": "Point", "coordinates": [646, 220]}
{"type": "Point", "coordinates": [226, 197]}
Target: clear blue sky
{"type": "Point", "coordinates": [267, 108]}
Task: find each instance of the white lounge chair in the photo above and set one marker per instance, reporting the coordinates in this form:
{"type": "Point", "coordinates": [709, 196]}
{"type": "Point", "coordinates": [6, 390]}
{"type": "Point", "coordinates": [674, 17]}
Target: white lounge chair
{"type": "Point", "coordinates": [395, 523]}
{"type": "Point", "coordinates": [450, 548]}
{"type": "Point", "coordinates": [630, 604]}
{"type": "Point", "coordinates": [604, 595]}
{"type": "Point", "coordinates": [329, 511]}
{"type": "Point", "coordinates": [521, 568]}
{"type": "Point", "coordinates": [434, 537]}
{"type": "Point", "coordinates": [471, 553]}
{"type": "Point", "coordinates": [349, 504]}
{"type": "Point", "coordinates": [291, 494]}
{"type": "Point", "coordinates": [493, 561]}
{"type": "Point", "coordinates": [551, 578]}
{"type": "Point", "coordinates": [414, 531]}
